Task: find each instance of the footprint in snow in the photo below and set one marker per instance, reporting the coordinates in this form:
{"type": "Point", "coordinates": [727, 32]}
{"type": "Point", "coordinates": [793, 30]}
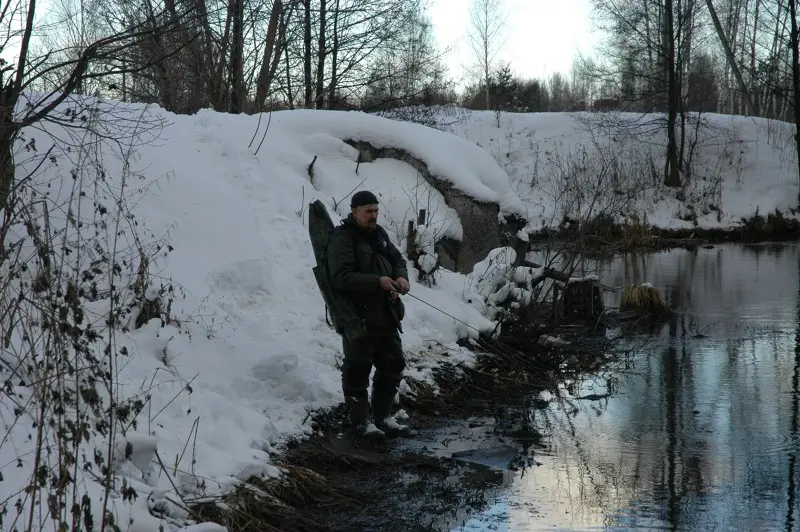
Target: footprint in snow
{"type": "Point", "coordinates": [248, 283]}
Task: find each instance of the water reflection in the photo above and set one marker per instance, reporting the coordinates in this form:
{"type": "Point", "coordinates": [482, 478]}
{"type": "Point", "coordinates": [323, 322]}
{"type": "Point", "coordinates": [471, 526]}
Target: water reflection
{"type": "Point", "coordinates": [702, 430]}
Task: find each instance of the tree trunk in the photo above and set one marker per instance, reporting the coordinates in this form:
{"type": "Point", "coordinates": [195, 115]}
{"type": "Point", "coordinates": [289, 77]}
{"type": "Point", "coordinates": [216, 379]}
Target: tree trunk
{"type": "Point", "coordinates": [7, 135]}
{"type": "Point", "coordinates": [649, 91]}
{"type": "Point", "coordinates": [237, 58]}
{"type": "Point", "coordinates": [672, 168]}
{"type": "Point", "coordinates": [731, 59]}
{"type": "Point", "coordinates": [213, 82]}
{"type": "Point", "coordinates": [272, 54]}
{"type": "Point", "coordinates": [332, 103]}
{"type": "Point", "coordinates": [768, 101]}
{"type": "Point", "coordinates": [289, 91]}
{"type": "Point", "coordinates": [794, 40]}
{"type": "Point", "coordinates": [754, 88]}
{"type": "Point", "coordinates": [743, 6]}
{"type": "Point", "coordinates": [307, 54]}
{"type": "Point", "coordinates": [321, 53]}
{"type": "Point", "coordinates": [221, 95]}
{"type": "Point", "coordinates": [198, 85]}
{"type": "Point", "coordinates": [486, 72]}
{"type": "Point", "coordinates": [683, 68]}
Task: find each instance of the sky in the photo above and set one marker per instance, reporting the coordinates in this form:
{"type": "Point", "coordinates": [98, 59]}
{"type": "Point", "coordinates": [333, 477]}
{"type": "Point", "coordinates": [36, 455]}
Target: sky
{"type": "Point", "coordinates": [542, 36]}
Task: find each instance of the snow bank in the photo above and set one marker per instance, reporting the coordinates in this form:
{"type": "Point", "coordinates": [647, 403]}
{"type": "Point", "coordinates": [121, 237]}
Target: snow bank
{"type": "Point", "coordinates": [585, 164]}
{"type": "Point", "coordinates": [447, 156]}
{"type": "Point", "coordinates": [247, 354]}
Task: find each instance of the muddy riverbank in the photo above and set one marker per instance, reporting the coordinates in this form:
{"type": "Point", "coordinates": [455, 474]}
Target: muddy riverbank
{"type": "Point", "coordinates": [433, 481]}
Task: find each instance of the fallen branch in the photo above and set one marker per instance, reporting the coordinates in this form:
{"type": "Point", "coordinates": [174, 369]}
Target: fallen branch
{"type": "Point", "coordinates": [556, 275]}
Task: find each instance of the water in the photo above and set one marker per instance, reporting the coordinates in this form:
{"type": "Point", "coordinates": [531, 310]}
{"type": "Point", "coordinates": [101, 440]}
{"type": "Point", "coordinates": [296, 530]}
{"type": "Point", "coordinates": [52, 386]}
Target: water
{"type": "Point", "coordinates": [702, 428]}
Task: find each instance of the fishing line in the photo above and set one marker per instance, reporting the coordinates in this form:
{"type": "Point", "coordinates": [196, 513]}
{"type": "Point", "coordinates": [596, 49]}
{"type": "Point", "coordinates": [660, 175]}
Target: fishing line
{"type": "Point", "coordinates": [443, 312]}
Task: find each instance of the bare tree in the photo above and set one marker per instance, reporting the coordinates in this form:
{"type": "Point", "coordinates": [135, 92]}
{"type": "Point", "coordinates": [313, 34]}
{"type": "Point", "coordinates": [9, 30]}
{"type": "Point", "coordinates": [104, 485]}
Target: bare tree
{"type": "Point", "coordinates": [275, 41]}
{"type": "Point", "coordinates": [759, 39]}
{"type": "Point", "coordinates": [333, 45]}
{"type": "Point", "coordinates": [731, 59]}
{"type": "Point", "coordinates": [70, 362]}
{"type": "Point", "coordinates": [794, 39]}
{"type": "Point", "coordinates": [237, 57]}
{"type": "Point", "coordinates": [322, 53]}
{"type": "Point", "coordinates": [307, 83]}
{"type": "Point", "coordinates": [71, 26]}
{"type": "Point", "coordinates": [648, 58]}
{"type": "Point", "coordinates": [16, 80]}
{"type": "Point", "coordinates": [672, 170]}
{"type": "Point", "coordinates": [229, 58]}
{"type": "Point", "coordinates": [361, 33]}
{"type": "Point", "coordinates": [487, 20]}
{"type": "Point", "coordinates": [410, 73]}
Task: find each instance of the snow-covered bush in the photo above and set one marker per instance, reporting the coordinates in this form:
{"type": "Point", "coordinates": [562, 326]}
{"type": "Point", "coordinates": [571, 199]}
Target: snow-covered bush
{"type": "Point", "coordinates": [441, 117]}
{"type": "Point", "coordinates": [75, 269]}
{"type": "Point", "coordinates": [496, 286]}
{"type": "Point", "coordinates": [437, 223]}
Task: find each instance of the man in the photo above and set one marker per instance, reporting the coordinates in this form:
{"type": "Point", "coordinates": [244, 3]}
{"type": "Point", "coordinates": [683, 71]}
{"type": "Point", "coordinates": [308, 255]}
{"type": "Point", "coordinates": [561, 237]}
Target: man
{"type": "Point", "coordinates": [369, 270]}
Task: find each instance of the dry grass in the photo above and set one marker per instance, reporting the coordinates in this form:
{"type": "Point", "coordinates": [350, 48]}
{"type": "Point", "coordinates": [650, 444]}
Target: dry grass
{"type": "Point", "coordinates": [423, 396]}
{"type": "Point", "coordinates": [297, 501]}
{"type": "Point", "coordinates": [644, 300]}
{"type": "Point", "coordinates": [774, 226]}
{"type": "Point", "coordinates": [603, 236]}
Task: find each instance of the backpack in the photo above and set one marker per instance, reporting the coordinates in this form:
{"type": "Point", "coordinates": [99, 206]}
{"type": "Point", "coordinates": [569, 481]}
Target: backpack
{"type": "Point", "coordinates": [343, 313]}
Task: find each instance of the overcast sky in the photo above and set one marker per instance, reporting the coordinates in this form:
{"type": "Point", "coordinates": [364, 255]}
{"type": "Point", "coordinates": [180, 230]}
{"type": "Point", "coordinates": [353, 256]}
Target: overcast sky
{"type": "Point", "coordinates": [543, 36]}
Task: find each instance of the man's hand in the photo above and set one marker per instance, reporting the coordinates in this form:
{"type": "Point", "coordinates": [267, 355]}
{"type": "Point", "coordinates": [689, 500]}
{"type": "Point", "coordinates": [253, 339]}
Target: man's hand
{"type": "Point", "coordinates": [388, 285]}
{"type": "Point", "coordinates": [402, 284]}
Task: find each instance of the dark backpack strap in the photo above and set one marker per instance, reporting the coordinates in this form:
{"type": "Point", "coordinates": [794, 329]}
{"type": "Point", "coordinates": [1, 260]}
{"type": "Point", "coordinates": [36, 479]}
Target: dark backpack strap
{"type": "Point", "coordinates": [354, 238]}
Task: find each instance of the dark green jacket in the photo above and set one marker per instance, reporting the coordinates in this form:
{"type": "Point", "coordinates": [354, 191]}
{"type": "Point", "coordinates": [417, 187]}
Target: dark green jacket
{"type": "Point", "coordinates": [357, 259]}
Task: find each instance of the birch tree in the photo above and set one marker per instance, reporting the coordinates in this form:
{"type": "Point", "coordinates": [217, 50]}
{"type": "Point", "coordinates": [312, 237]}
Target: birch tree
{"type": "Point", "coordinates": [730, 57]}
{"type": "Point", "coordinates": [486, 38]}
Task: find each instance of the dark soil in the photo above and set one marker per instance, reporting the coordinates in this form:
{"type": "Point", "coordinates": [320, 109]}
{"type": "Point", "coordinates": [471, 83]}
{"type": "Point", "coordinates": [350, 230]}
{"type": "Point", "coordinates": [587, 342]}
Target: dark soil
{"type": "Point", "coordinates": [339, 483]}
{"type": "Point", "coordinates": [601, 236]}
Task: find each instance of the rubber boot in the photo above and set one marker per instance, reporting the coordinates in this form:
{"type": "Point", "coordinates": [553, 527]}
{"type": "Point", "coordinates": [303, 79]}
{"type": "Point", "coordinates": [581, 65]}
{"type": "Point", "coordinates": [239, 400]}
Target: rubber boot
{"type": "Point", "coordinates": [382, 414]}
{"type": "Point", "coordinates": [358, 411]}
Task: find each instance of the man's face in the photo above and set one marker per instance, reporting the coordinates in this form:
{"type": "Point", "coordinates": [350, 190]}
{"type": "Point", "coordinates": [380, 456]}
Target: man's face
{"type": "Point", "coordinates": [366, 216]}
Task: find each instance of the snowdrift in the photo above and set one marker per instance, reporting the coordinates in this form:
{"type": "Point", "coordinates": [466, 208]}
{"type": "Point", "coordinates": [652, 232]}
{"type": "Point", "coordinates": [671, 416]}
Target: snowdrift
{"type": "Point", "coordinates": [243, 353]}
{"type": "Point", "coordinates": [586, 164]}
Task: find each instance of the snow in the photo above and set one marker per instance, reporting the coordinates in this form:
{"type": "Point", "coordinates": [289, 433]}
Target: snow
{"type": "Point", "coordinates": [427, 262]}
{"type": "Point", "coordinates": [547, 339]}
{"type": "Point", "coordinates": [247, 353]}
{"type": "Point", "coordinates": [447, 157]}
{"type": "Point", "coordinates": [585, 164]}
{"type": "Point", "coordinates": [583, 278]}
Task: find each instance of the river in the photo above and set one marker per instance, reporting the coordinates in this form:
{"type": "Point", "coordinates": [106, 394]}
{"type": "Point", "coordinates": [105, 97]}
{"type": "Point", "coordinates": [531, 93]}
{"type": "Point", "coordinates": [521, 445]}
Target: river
{"type": "Point", "coordinates": [693, 428]}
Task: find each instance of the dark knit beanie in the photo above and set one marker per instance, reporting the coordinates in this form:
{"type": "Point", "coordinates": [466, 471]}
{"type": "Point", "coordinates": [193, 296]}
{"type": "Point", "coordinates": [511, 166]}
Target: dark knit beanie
{"type": "Point", "coordinates": [363, 197]}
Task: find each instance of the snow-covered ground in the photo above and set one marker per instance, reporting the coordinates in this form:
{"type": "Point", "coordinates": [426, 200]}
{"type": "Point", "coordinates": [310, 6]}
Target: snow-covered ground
{"type": "Point", "coordinates": [247, 353]}
{"type": "Point", "coordinates": [585, 164]}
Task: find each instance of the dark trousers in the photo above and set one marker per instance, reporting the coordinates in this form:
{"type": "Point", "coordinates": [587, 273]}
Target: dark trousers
{"type": "Point", "coordinates": [385, 352]}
